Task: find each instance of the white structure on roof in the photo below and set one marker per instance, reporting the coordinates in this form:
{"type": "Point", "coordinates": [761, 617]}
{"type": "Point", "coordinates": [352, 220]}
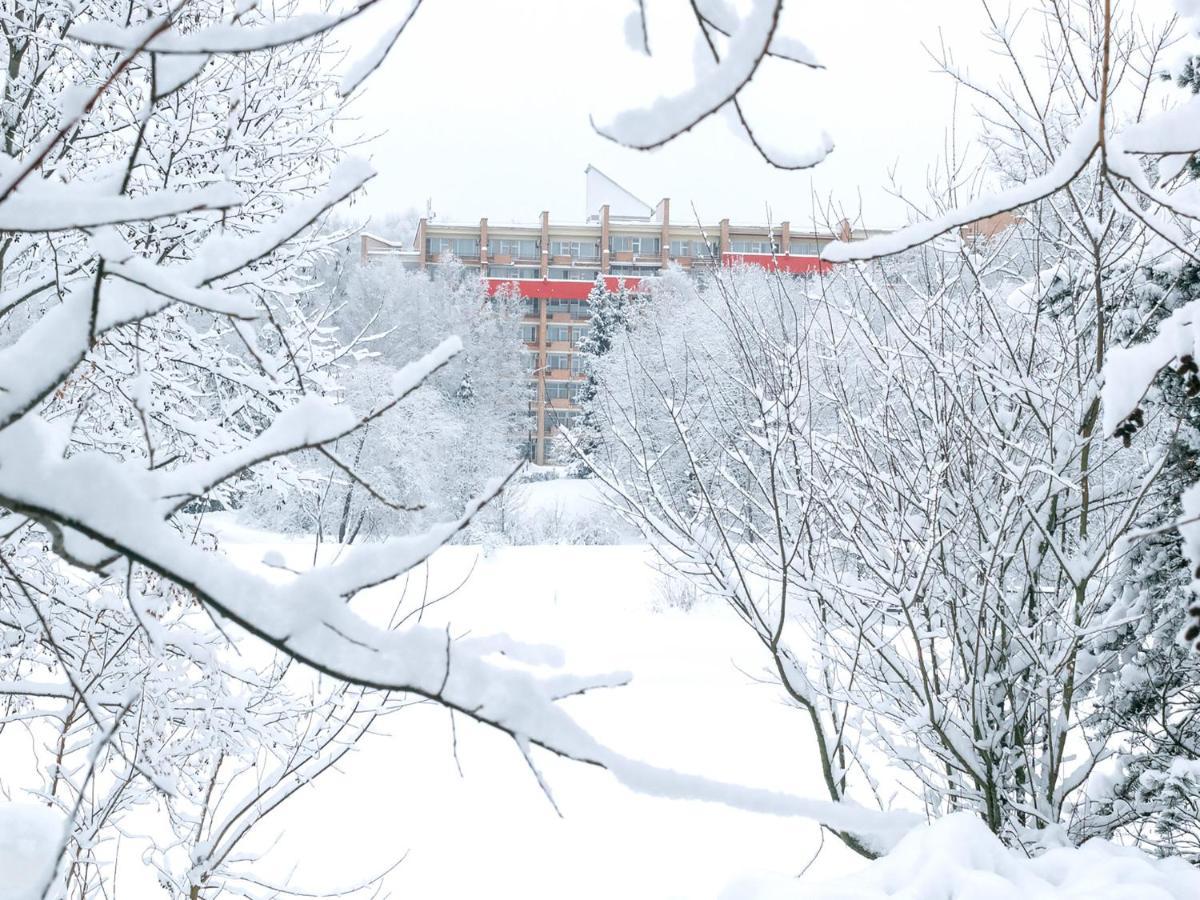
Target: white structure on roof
{"type": "Point", "coordinates": [603, 191]}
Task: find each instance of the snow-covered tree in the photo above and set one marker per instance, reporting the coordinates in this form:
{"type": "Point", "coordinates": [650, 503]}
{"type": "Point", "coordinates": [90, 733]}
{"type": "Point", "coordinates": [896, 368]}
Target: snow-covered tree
{"type": "Point", "coordinates": [162, 354]}
{"type": "Point", "coordinates": [462, 427]}
{"type": "Point", "coordinates": [900, 482]}
{"type": "Point", "coordinates": [609, 317]}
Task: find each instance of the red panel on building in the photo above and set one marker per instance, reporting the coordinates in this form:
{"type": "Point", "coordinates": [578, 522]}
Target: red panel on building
{"type": "Point", "coordinates": [551, 289]}
{"type": "Point", "coordinates": [795, 265]}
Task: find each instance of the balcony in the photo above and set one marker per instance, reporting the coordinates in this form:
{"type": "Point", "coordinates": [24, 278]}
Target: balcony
{"type": "Point", "coordinates": [445, 256]}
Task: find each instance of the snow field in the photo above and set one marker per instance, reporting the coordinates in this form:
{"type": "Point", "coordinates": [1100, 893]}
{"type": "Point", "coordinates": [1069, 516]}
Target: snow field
{"type": "Point", "coordinates": [491, 832]}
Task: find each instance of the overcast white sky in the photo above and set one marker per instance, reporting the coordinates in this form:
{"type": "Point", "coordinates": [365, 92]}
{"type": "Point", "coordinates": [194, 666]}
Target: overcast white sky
{"type": "Point", "coordinates": [485, 105]}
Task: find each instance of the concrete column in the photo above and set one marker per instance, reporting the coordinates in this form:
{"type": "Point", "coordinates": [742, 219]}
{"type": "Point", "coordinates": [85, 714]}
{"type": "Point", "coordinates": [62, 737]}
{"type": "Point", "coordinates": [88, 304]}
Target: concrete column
{"type": "Point", "coordinates": [545, 243]}
{"type": "Point", "coordinates": [539, 419]}
{"type": "Point", "coordinates": [421, 254]}
{"type": "Point", "coordinates": [605, 255]}
{"type": "Point", "coordinates": [785, 237]}
{"type": "Point", "coordinates": [724, 239]}
{"type": "Point", "coordinates": [665, 241]}
{"type": "Point", "coordinates": [539, 453]}
{"type": "Point", "coordinates": [483, 256]}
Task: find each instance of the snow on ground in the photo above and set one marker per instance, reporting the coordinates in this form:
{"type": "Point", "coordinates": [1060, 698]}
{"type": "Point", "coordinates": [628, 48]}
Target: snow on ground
{"type": "Point", "coordinates": [693, 705]}
{"type": "Point", "coordinates": [490, 832]}
{"type": "Point", "coordinates": [957, 858]}
{"type": "Point", "coordinates": [30, 835]}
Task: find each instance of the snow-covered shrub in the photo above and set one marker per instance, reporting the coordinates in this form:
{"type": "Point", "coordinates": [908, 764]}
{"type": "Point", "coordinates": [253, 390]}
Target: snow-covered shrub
{"type": "Point", "coordinates": [956, 857]}
{"type": "Point", "coordinates": [161, 356]}
{"type": "Point", "coordinates": [424, 460]}
{"type": "Point", "coordinates": [677, 593]}
{"type": "Point", "coordinates": [900, 477]}
{"type": "Point", "coordinates": [559, 511]}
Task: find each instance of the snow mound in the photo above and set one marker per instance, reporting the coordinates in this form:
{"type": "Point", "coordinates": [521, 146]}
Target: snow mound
{"type": "Point", "coordinates": [957, 858]}
{"type": "Point", "coordinates": [564, 511]}
{"type": "Point", "coordinates": [29, 839]}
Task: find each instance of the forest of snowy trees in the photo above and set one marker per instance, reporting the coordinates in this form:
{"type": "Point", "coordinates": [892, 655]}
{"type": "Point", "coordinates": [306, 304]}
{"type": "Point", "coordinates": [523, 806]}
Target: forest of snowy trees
{"type": "Point", "coordinates": [948, 489]}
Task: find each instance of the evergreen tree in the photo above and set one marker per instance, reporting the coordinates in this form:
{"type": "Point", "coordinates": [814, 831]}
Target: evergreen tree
{"type": "Point", "coordinates": [465, 394]}
{"type": "Point", "coordinates": [1156, 703]}
{"type": "Point", "coordinates": [609, 317]}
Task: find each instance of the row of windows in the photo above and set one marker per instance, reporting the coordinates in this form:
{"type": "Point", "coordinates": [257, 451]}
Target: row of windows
{"type": "Point", "coordinates": [641, 245]}
{"type": "Point", "coordinates": [463, 248]}
{"type": "Point", "coordinates": [694, 249]}
{"type": "Point", "coordinates": [563, 361]}
{"type": "Point", "coordinates": [572, 333]}
{"type": "Point", "coordinates": [795, 248]}
{"type": "Point", "coordinates": [575, 363]}
{"type": "Point", "coordinates": [576, 249]}
{"type": "Point", "coordinates": [739, 245]}
{"type": "Point", "coordinates": [513, 272]}
{"type": "Point", "coordinates": [563, 390]}
{"type": "Point", "coordinates": [520, 248]}
{"type": "Point", "coordinates": [555, 333]}
{"type": "Point", "coordinates": [577, 309]}
{"type": "Point", "coordinates": [574, 274]}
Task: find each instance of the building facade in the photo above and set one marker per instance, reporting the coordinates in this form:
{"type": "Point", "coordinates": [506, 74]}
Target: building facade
{"type": "Point", "coordinates": [553, 265]}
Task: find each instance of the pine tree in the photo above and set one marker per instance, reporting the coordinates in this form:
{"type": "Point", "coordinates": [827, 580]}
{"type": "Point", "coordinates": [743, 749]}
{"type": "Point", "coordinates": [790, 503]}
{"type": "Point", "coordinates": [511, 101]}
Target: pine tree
{"type": "Point", "coordinates": [465, 394]}
{"type": "Point", "coordinates": [1155, 704]}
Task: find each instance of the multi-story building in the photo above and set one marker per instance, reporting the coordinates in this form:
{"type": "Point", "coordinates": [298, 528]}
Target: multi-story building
{"type": "Point", "coordinates": [554, 265]}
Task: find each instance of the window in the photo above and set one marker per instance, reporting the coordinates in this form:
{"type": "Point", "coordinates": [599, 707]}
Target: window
{"type": "Point", "coordinates": [518, 248]}
{"type": "Point", "coordinates": [513, 272]}
{"type": "Point", "coordinates": [746, 245]}
{"type": "Point", "coordinates": [636, 271]}
{"type": "Point", "coordinates": [529, 333]}
{"type": "Point", "coordinates": [573, 274]}
{"type": "Point", "coordinates": [557, 332]}
{"type": "Point", "coordinates": [558, 361]}
{"type": "Point", "coordinates": [576, 309]}
{"type": "Point", "coordinates": [637, 244]}
{"type": "Point", "coordinates": [578, 363]}
{"type": "Point", "coordinates": [530, 306]}
{"type": "Point", "coordinates": [559, 418]}
{"type": "Point", "coordinates": [578, 333]}
{"type": "Point", "coordinates": [530, 360]}
{"type": "Point", "coordinates": [561, 390]}
{"type": "Point", "coordinates": [797, 247]}
{"type": "Point", "coordinates": [463, 248]}
{"type": "Point", "coordinates": [694, 249]}
{"type": "Point", "coordinates": [576, 249]}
